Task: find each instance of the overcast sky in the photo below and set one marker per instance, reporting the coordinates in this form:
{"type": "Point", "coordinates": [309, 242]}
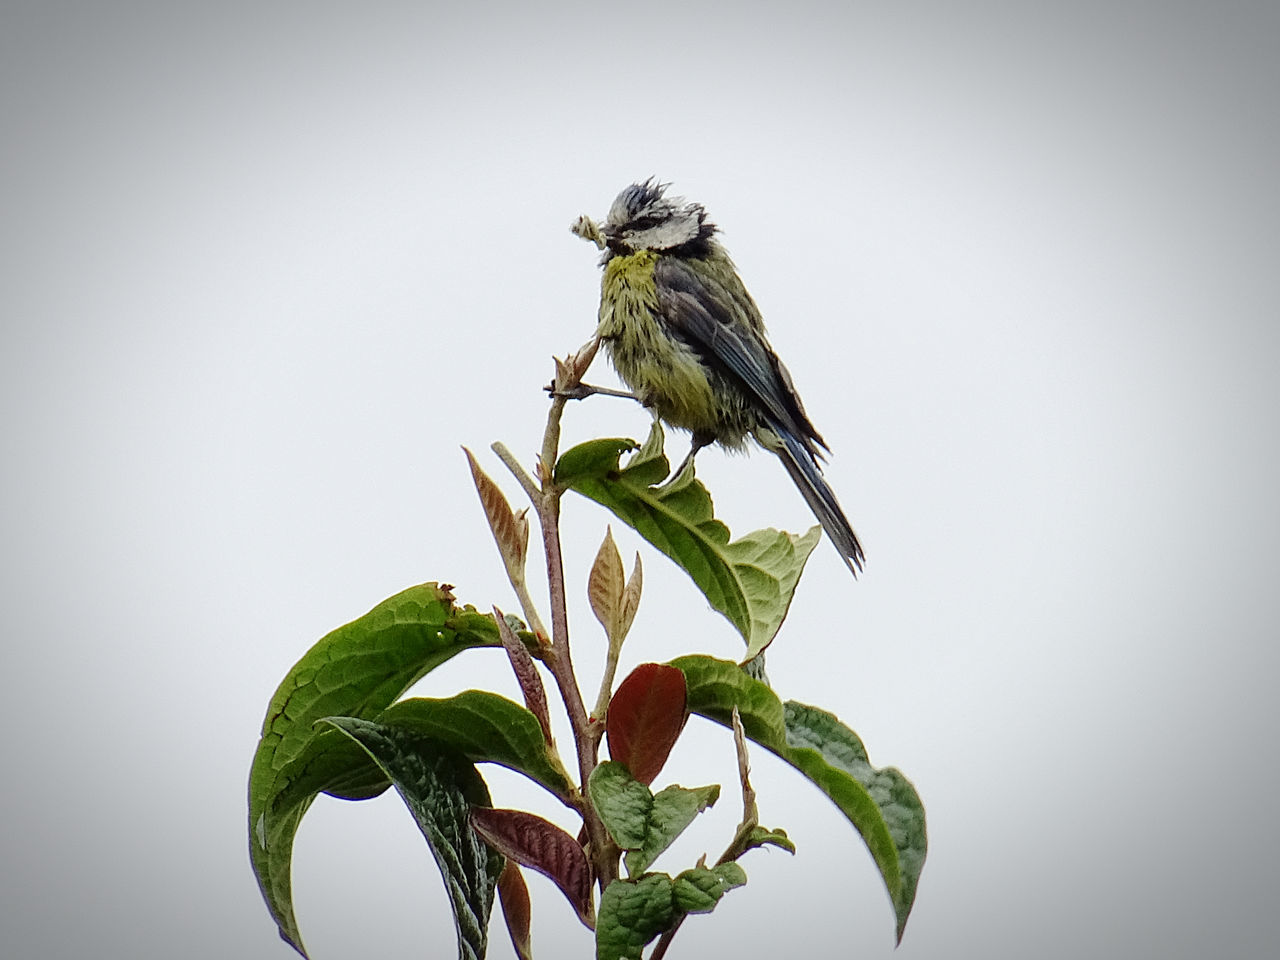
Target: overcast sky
{"type": "Point", "coordinates": [265, 267]}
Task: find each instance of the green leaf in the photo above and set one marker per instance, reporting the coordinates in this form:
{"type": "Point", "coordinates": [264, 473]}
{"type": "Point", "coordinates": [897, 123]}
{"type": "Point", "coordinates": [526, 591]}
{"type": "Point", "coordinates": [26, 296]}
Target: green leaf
{"type": "Point", "coordinates": [357, 670]}
{"type": "Point", "coordinates": [700, 889]}
{"type": "Point", "coordinates": [763, 836]}
{"type": "Point", "coordinates": [623, 802]}
{"type": "Point", "coordinates": [880, 803]}
{"type": "Point", "coordinates": [673, 810]}
{"type": "Point", "coordinates": [643, 824]}
{"type": "Point", "coordinates": [484, 727]}
{"type": "Point", "coordinates": [751, 580]}
{"type": "Point", "coordinates": [632, 913]}
{"type": "Point", "coordinates": [832, 756]}
{"type": "Point", "coordinates": [440, 788]}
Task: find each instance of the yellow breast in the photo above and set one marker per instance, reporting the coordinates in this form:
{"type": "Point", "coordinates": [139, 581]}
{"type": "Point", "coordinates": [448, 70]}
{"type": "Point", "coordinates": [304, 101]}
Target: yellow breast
{"type": "Point", "coordinates": [664, 372]}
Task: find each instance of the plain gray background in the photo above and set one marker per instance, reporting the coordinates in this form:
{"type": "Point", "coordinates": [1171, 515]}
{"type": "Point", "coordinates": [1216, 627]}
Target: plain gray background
{"type": "Point", "coordinates": [266, 267]}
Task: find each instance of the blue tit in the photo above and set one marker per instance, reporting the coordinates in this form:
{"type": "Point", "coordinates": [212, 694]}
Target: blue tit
{"type": "Point", "coordinates": [683, 333]}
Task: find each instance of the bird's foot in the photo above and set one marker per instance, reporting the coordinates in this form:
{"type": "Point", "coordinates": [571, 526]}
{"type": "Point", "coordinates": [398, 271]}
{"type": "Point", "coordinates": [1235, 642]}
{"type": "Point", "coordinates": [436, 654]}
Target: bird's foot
{"type": "Point", "coordinates": [583, 390]}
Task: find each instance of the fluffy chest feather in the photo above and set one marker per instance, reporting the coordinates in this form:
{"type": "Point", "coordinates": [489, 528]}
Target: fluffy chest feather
{"type": "Point", "coordinates": [665, 372]}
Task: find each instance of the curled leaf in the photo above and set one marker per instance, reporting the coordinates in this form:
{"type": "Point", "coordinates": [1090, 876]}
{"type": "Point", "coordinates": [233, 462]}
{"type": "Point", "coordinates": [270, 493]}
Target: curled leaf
{"type": "Point", "coordinates": [535, 694]}
{"type": "Point", "coordinates": [438, 787]}
{"type": "Point", "coordinates": [631, 597]}
{"type": "Point", "coordinates": [358, 670]}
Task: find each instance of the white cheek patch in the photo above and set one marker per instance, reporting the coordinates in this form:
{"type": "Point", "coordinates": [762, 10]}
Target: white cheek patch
{"type": "Point", "coordinates": [666, 235]}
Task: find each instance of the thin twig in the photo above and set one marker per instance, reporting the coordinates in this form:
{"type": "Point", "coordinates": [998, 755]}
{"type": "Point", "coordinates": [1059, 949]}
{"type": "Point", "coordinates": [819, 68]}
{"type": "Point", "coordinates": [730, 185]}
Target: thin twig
{"type": "Point", "coordinates": [517, 471]}
{"type": "Point", "coordinates": [558, 659]}
{"type": "Point", "coordinates": [739, 844]}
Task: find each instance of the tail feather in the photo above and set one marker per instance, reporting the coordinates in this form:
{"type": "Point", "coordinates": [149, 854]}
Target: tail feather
{"type": "Point", "coordinates": [821, 499]}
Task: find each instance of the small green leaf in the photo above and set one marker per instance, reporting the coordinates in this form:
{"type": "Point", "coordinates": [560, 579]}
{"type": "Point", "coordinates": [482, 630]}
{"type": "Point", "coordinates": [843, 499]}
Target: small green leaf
{"type": "Point", "coordinates": [640, 823]}
{"type": "Point", "coordinates": [623, 802]}
{"type": "Point", "coordinates": [700, 889]}
{"type": "Point", "coordinates": [439, 789]}
{"type": "Point", "coordinates": [357, 670]}
{"type": "Point", "coordinates": [632, 913]}
{"type": "Point", "coordinates": [673, 810]}
{"type": "Point", "coordinates": [751, 580]}
{"type": "Point", "coordinates": [880, 803]}
{"type": "Point", "coordinates": [762, 836]}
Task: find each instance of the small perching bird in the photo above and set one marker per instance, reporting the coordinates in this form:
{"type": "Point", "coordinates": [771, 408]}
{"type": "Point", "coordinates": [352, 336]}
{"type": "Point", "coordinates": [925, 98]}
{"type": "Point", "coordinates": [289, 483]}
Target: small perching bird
{"type": "Point", "coordinates": [686, 337]}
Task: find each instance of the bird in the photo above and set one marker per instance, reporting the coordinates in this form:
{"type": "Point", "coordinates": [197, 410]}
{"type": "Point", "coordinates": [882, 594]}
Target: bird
{"type": "Point", "coordinates": [685, 336]}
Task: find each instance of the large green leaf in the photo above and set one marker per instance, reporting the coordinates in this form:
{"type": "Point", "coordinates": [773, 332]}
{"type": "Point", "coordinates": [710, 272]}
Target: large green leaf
{"type": "Point", "coordinates": [484, 727]}
{"type": "Point", "coordinates": [357, 670]}
{"type": "Point", "coordinates": [750, 580]}
{"type": "Point", "coordinates": [440, 787]}
{"type": "Point", "coordinates": [880, 803]}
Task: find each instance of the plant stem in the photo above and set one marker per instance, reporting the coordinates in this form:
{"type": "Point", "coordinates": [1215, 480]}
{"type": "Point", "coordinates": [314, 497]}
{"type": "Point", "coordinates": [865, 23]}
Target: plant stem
{"type": "Point", "coordinates": [559, 660]}
{"type": "Point", "coordinates": [664, 941]}
{"type": "Point", "coordinates": [606, 684]}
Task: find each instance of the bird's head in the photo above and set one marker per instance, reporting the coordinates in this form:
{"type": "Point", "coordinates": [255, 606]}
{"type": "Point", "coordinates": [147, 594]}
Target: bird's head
{"type": "Point", "coordinates": [644, 218]}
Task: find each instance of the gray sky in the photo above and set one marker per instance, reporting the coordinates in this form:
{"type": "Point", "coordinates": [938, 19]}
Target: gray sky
{"type": "Point", "coordinates": [266, 267]}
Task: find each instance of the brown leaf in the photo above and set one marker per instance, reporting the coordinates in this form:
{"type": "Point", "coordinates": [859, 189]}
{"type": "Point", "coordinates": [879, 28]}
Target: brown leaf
{"type": "Point", "coordinates": [580, 360]}
{"type": "Point", "coordinates": [510, 531]}
{"type": "Point", "coordinates": [631, 597]}
{"type": "Point", "coordinates": [645, 717]}
{"type": "Point", "coordinates": [535, 694]}
{"type": "Point", "coordinates": [540, 845]}
{"type": "Point", "coordinates": [513, 894]}
{"type": "Point", "coordinates": [605, 586]}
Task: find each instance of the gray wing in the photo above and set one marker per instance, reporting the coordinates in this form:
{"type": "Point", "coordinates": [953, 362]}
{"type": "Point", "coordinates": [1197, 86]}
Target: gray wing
{"type": "Point", "coordinates": [720, 321]}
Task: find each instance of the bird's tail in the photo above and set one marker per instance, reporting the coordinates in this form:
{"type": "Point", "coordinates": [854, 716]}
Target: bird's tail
{"type": "Point", "coordinates": [822, 501]}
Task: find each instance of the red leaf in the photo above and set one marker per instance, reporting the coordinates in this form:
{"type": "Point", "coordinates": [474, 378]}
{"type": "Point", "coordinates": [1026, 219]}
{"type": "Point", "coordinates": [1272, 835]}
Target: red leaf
{"type": "Point", "coordinates": [645, 716]}
{"type": "Point", "coordinates": [516, 909]}
{"type": "Point", "coordinates": [535, 694]}
{"type": "Point", "coordinates": [539, 845]}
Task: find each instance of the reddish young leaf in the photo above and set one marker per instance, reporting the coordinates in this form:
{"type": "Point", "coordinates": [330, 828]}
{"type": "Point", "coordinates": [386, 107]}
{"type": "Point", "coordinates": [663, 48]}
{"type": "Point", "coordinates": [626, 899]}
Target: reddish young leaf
{"type": "Point", "coordinates": [540, 845]}
{"type": "Point", "coordinates": [516, 909]}
{"type": "Point", "coordinates": [645, 716]}
{"type": "Point", "coordinates": [535, 694]}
